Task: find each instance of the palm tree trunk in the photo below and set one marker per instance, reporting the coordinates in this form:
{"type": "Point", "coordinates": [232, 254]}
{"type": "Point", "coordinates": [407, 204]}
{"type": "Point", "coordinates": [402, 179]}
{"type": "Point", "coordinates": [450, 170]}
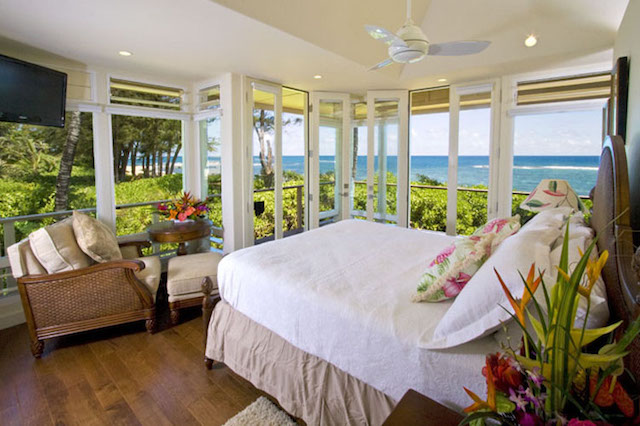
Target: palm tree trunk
{"type": "Point", "coordinates": [168, 162]}
{"type": "Point", "coordinates": [66, 162]}
{"type": "Point", "coordinates": [175, 157]}
{"type": "Point", "coordinates": [134, 156]}
{"type": "Point", "coordinates": [354, 163]}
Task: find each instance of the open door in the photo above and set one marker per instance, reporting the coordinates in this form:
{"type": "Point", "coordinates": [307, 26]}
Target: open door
{"type": "Point", "coordinates": [473, 145]}
{"type": "Point", "coordinates": [387, 156]}
{"type": "Point", "coordinates": [264, 154]}
{"type": "Point", "coordinates": [328, 149]}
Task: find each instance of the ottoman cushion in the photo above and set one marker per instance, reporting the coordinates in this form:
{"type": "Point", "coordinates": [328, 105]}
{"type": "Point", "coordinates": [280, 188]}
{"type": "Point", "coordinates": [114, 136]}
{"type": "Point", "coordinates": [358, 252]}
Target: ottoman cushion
{"type": "Point", "coordinates": [185, 273]}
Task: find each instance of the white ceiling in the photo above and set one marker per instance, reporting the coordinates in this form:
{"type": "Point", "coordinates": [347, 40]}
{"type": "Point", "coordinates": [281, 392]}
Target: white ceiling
{"type": "Point", "coordinates": [289, 41]}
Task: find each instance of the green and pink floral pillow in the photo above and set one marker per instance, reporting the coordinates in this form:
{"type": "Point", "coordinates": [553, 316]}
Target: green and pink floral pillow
{"type": "Point", "coordinates": [453, 267]}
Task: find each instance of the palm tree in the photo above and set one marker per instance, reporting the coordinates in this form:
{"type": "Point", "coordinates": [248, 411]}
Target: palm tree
{"type": "Point", "coordinates": [66, 161]}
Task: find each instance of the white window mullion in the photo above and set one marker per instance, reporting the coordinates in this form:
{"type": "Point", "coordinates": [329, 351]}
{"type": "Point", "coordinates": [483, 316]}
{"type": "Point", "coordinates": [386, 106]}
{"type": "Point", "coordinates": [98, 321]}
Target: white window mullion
{"type": "Point", "coordinates": [452, 178]}
{"type": "Point", "coordinates": [278, 180]}
{"type": "Point", "coordinates": [371, 122]}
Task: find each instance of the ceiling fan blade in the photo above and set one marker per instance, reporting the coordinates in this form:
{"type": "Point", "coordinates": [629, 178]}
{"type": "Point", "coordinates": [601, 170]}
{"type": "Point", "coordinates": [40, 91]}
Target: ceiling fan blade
{"type": "Point", "coordinates": [383, 35]}
{"type": "Point", "coordinates": [458, 48]}
{"type": "Point", "coordinates": [381, 64]}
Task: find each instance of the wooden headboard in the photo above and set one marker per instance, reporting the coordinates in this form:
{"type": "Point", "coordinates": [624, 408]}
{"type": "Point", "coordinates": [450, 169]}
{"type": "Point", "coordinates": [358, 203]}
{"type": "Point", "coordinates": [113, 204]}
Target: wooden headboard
{"type": "Point", "coordinates": [611, 220]}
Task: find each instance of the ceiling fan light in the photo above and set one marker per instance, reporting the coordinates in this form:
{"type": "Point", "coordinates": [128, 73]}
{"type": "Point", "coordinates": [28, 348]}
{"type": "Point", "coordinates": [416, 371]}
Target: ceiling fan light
{"type": "Point", "coordinates": [531, 41]}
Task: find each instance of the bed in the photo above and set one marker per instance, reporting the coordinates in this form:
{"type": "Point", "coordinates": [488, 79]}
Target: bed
{"type": "Point", "coordinates": [323, 321]}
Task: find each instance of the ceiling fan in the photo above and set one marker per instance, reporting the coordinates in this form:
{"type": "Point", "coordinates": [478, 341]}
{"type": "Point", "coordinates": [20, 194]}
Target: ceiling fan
{"type": "Point", "coordinates": [410, 44]}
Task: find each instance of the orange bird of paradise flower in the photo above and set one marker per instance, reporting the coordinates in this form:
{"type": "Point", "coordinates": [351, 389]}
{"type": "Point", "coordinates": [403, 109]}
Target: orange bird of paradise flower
{"type": "Point", "coordinates": [530, 289]}
{"type": "Point", "coordinates": [478, 403]}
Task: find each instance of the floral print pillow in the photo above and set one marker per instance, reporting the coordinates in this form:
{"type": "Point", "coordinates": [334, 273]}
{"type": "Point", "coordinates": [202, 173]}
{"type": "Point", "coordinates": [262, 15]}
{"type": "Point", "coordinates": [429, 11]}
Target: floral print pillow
{"type": "Point", "coordinates": [448, 273]}
{"type": "Point", "coordinates": [501, 227]}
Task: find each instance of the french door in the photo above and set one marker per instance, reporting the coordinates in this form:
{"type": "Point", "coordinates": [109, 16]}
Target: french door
{"type": "Point", "coordinates": [263, 128]}
{"type": "Point", "coordinates": [328, 151]}
{"type": "Point", "coordinates": [473, 152]}
{"type": "Point", "coordinates": [387, 156]}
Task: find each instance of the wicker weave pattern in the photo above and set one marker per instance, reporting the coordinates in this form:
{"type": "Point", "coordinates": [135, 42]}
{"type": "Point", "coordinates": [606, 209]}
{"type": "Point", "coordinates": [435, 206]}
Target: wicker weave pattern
{"type": "Point", "coordinates": [94, 295]}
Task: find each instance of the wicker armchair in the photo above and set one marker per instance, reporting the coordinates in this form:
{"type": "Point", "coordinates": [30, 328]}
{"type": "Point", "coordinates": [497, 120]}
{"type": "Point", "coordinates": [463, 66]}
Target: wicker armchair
{"type": "Point", "coordinates": [99, 295]}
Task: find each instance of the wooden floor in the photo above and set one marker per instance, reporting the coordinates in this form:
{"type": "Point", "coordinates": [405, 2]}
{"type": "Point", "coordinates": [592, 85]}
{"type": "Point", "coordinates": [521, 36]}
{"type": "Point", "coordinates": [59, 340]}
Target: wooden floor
{"type": "Point", "coordinates": [120, 375]}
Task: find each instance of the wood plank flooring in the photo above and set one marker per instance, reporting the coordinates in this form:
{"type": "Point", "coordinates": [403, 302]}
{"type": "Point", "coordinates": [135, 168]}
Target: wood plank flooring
{"type": "Point", "coordinates": [118, 376]}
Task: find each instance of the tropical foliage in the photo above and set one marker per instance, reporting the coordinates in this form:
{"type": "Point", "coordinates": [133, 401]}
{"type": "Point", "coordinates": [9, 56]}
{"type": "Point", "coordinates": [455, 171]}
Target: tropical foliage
{"type": "Point", "coordinates": [558, 376]}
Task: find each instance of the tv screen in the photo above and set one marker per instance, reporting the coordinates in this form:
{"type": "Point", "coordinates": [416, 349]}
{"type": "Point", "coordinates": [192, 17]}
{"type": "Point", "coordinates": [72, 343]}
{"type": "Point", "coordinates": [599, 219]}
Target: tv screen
{"type": "Point", "coordinates": [31, 94]}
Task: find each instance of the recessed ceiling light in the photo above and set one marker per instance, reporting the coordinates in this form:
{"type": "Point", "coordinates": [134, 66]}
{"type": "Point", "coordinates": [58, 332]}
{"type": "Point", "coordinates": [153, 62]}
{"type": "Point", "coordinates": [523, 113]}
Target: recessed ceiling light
{"type": "Point", "coordinates": [531, 41]}
{"type": "Point", "coordinates": [442, 80]}
{"type": "Point", "coordinates": [125, 53]}
{"type": "Point", "coordinates": [317, 76]}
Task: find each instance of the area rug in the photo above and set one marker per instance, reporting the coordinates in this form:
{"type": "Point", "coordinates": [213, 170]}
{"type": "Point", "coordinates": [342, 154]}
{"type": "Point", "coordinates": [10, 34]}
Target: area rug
{"type": "Point", "coordinates": [261, 412]}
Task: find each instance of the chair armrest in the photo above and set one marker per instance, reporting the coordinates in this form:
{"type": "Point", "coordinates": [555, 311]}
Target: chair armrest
{"type": "Point", "coordinates": [139, 245]}
{"type": "Point", "coordinates": [133, 265]}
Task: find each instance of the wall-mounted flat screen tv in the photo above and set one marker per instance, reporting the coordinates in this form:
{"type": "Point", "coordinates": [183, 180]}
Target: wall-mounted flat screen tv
{"type": "Point", "coordinates": [31, 94]}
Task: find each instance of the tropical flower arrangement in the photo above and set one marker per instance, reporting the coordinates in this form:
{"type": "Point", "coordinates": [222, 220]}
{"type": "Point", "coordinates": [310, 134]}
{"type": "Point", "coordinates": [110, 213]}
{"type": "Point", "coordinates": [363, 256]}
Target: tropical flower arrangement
{"type": "Point", "coordinates": [556, 377]}
{"type": "Point", "coordinates": [184, 208]}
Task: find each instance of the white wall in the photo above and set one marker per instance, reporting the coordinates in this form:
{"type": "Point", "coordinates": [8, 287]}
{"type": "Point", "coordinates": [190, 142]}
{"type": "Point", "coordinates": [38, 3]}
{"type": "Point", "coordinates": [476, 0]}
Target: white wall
{"type": "Point", "coordinates": [628, 44]}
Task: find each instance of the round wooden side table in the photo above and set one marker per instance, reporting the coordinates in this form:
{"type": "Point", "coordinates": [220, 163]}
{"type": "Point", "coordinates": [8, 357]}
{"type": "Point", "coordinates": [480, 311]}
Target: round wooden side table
{"type": "Point", "coordinates": [169, 231]}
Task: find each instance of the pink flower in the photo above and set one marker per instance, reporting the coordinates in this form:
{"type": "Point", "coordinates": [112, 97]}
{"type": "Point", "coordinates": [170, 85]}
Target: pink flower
{"type": "Point", "coordinates": [162, 207]}
{"type": "Point", "coordinates": [498, 224]}
{"type": "Point", "coordinates": [190, 210]}
{"type": "Point", "coordinates": [577, 422]}
{"type": "Point", "coordinates": [182, 216]}
{"type": "Point", "coordinates": [553, 193]}
{"type": "Point", "coordinates": [454, 286]}
{"type": "Point", "coordinates": [443, 255]}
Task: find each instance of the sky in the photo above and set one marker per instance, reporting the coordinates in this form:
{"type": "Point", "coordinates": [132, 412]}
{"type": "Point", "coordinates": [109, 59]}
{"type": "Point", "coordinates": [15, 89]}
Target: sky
{"type": "Point", "coordinates": [568, 133]}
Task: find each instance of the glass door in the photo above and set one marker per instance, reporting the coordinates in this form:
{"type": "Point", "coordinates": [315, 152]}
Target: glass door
{"type": "Point", "coordinates": [330, 131]}
{"type": "Point", "coordinates": [266, 176]}
{"type": "Point", "coordinates": [473, 157]}
{"type": "Point", "coordinates": [387, 157]}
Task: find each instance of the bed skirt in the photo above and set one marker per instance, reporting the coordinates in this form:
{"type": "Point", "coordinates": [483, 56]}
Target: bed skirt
{"type": "Point", "coordinates": [306, 386]}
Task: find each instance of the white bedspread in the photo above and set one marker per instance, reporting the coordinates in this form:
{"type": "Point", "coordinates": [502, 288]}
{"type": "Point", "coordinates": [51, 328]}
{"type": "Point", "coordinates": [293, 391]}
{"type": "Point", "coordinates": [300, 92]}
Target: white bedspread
{"type": "Point", "coordinates": [343, 293]}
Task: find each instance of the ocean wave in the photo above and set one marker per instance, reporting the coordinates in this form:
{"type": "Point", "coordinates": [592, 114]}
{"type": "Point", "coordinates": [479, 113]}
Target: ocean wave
{"type": "Point", "coordinates": [587, 168]}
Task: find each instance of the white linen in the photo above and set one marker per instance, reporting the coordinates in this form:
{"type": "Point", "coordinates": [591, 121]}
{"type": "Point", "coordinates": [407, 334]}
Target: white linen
{"type": "Point", "coordinates": [480, 308]}
{"type": "Point", "coordinates": [342, 293]}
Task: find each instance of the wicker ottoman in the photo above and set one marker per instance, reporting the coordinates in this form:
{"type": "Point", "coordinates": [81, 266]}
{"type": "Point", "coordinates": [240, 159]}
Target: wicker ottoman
{"type": "Point", "coordinates": [185, 278]}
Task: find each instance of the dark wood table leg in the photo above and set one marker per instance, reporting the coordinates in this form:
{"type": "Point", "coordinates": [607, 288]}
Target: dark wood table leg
{"type": "Point", "coordinates": [182, 249]}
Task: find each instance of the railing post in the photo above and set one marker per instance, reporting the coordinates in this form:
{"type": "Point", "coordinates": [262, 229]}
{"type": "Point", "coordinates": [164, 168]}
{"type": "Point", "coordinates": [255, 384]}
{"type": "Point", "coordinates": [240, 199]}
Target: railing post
{"type": "Point", "coordinates": [299, 206]}
{"type": "Point", "coordinates": [9, 235]}
{"type": "Point", "coordinates": [154, 219]}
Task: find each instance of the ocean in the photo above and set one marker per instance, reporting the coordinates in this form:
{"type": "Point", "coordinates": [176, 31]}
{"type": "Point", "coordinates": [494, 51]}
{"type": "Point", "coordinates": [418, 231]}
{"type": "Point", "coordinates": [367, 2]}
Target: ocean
{"type": "Point", "coordinates": [528, 171]}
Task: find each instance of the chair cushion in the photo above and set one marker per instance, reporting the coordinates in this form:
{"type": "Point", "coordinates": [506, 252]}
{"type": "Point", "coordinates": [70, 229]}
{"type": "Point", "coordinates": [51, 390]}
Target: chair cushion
{"type": "Point", "coordinates": [23, 261]}
{"type": "Point", "coordinates": [129, 252]}
{"type": "Point", "coordinates": [150, 275]}
{"type": "Point", "coordinates": [56, 248]}
{"type": "Point", "coordinates": [185, 273]}
{"type": "Point", "coordinates": [95, 238]}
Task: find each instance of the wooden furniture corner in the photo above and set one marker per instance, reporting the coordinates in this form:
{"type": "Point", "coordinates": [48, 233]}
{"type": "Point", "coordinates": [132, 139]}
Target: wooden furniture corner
{"type": "Point", "coordinates": [415, 409]}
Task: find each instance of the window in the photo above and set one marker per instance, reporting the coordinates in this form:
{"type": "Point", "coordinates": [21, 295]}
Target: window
{"type": "Point", "coordinates": [145, 95]}
{"type": "Point", "coordinates": [42, 170]}
{"type": "Point", "coordinates": [473, 161]}
{"type": "Point", "coordinates": [293, 159]}
{"type": "Point", "coordinates": [147, 165]}
{"type": "Point", "coordinates": [358, 160]}
{"type": "Point", "coordinates": [429, 151]}
{"type": "Point", "coordinates": [557, 145]}
{"type": "Point", "coordinates": [211, 169]}
{"type": "Point", "coordinates": [385, 151]}
{"type": "Point", "coordinates": [329, 150]}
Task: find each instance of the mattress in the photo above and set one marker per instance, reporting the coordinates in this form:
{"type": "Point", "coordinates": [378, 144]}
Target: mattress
{"type": "Point", "coordinates": [343, 293]}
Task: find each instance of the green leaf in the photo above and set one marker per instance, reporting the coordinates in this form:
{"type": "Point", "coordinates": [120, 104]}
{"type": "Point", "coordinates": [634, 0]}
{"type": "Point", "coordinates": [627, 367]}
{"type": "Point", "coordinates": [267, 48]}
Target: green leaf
{"type": "Point", "coordinates": [503, 404]}
{"type": "Point", "coordinates": [553, 186]}
{"type": "Point", "coordinates": [534, 203]}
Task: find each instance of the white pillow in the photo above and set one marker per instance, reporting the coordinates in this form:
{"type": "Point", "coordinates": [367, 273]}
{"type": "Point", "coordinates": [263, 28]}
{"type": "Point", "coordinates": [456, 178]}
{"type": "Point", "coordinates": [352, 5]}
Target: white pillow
{"type": "Point", "coordinates": [556, 217]}
{"type": "Point", "coordinates": [580, 236]}
{"type": "Point", "coordinates": [480, 308]}
{"type": "Point", "coordinates": [56, 248]}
